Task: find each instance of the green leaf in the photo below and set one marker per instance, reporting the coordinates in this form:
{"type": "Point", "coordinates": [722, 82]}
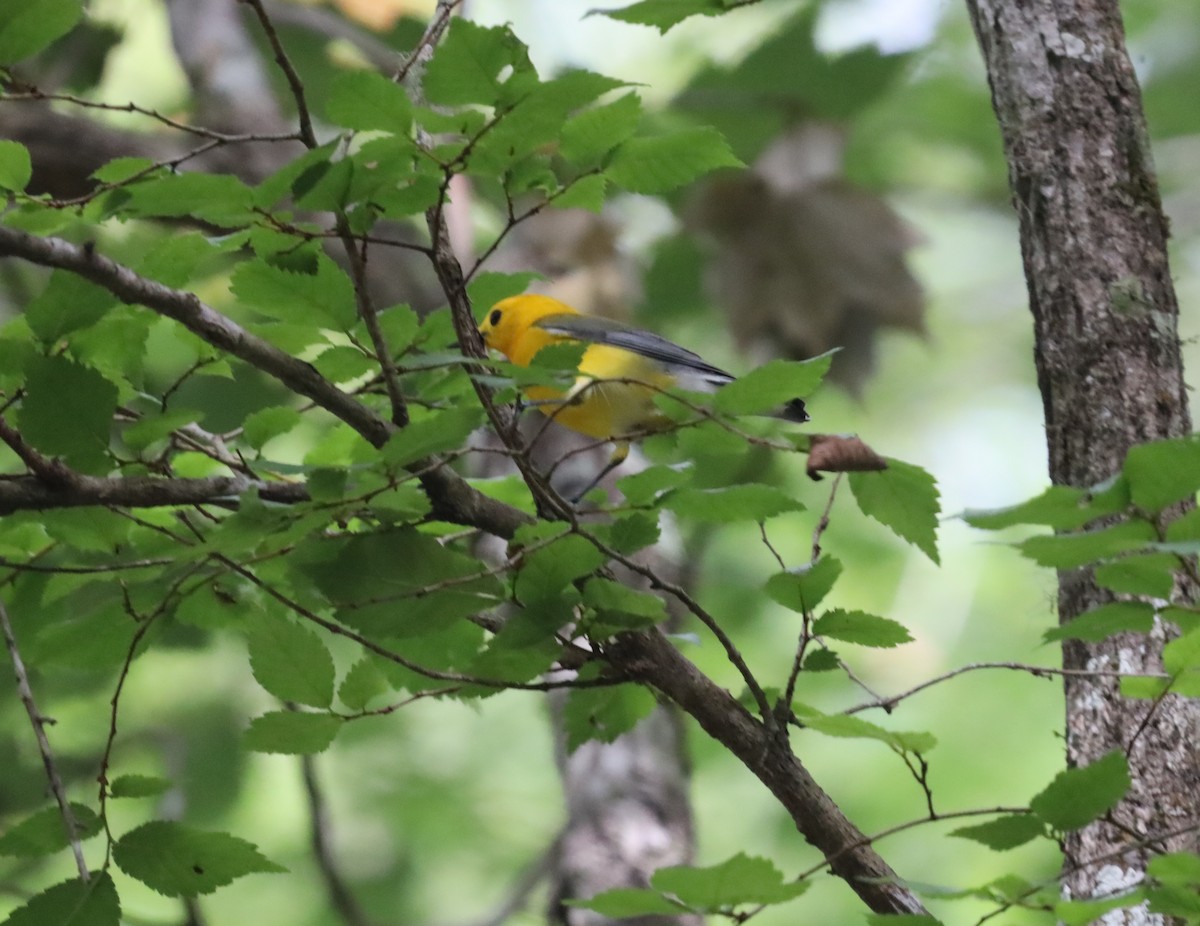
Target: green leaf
{"type": "Point", "coordinates": [266, 423]}
{"type": "Point", "coordinates": [604, 713]}
{"type": "Point", "coordinates": [660, 163]}
{"type": "Point", "coordinates": [1102, 622]}
{"type": "Point", "coordinates": [138, 786]}
{"type": "Point", "coordinates": [590, 134]}
{"type": "Point", "coordinates": [589, 192]}
{"type": "Point", "coordinates": [466, 66]}
{"type": "Point", "coordinates": [665, 14]}
{"type": "Point", "coordinates": [1078, 796]}
{"type": "Point", "coordinates": [44, 833]}
{"type": "Point", "coordinates": [1181, 868]}
{"type": "Point", "coordinates": [1163, 472]}
{"type": "Point", "coordinates": [363, 683]}
{"type": "Point", "coordinates": [440, 432]}
{"type": "Point", "coordinates": [1083, 912]}
{"type": "Point", "coordinates": [290, 661]}
{"type": "Point", "coordinates": [366, 100]}
{"type": "Point", "coordinates": [1069, 551]}
{"type": "Point", "coordinates": [546, 572]}
{"type": "Point", "coordinates": [397, 582]}
{"type": "Point", "coordinates": [490, 287]}
{"type": "Point", "coordinates": [220, 199]}
{"type": "Point", "coordinates": [860, 627]}
{"type": "Point", "coordinates": [902, 919]}
{"type": "Point", "coordinates": [1060, 507]}
{"type": "Point", "coordinates": [68, 302]}
{"type": "Point", "coordinates": [749, 502]}
{"type": "Point", "coordinates": [903, 497]}
{"type": "Point", "coordinates": [739, 880]}
{"type": "Point", "coordinates": [67, 411]}
{"type": "Point", "coordinates": [15, 166]}
{"type": "Point", "coordinates": [344, 363]}
{"type": "Point", "coordinates": [292, 732]}
{"type": "Point", "coordinates": [27, 28]}
{"type": "Point", "coordinates": [1151, 575]}
{"type": "Point", "coordinates": [180, 861]}
{"type": "Point", "coordinates": [803, 589]}
{"type": "Point", "coordinates": [848, 726]}
{"type": "Point", "coordinates": [1005, 832]}
{"type": "Point", "coordinates": [1181, 657]}
{"type": "Point", "coordinates": [118, 170]}
{"type": "Point", "coordinates": [633, 532]}
{"type": "Point", "coordinates": [772, 385]}
{"type": "Point", "coordinates": [72, 903]}
{"type": "Point", "coordinates": [644, 487]}
{"type": "Point", "coordinates": [623, 606]}
{"type": "Point", "coordinates": [627, 903]}
{"type": "Point", "coordinates": [325, 296]}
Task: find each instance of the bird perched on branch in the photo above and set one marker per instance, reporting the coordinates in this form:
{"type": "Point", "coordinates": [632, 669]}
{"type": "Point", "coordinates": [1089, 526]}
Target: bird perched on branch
{"type": "Point", "coordinates": [623, 368]}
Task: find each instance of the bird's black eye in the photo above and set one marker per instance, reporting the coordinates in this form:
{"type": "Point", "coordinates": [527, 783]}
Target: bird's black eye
{"type": "Point", "coordinates": [494, 318]}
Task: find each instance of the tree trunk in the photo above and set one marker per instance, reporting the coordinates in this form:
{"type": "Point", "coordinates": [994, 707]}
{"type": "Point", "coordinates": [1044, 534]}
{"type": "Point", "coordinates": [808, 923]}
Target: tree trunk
{"type": "Point", "coordinates": [1093, 239]}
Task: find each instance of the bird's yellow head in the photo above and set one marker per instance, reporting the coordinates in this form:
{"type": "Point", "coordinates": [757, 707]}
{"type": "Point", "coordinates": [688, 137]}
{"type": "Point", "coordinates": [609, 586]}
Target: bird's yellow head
{"type": "Point", "coordinates": [509, 320]}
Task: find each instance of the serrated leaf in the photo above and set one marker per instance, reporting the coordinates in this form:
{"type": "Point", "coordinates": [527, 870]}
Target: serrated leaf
{"type": "Point", "coordinates": [180, 861]}
{"type": "Point", "coordinates": [739, 880]}
{"type": "Point", "coordinates": [589, 192]}
{"type": "Point", "coordinates": [644, 487]}
{"type": "Point", "coordinates": [445, 430]}
{"type": "Point", "coordinates": [325, 296]}
{"type": "Point", "coordinates": [68, 303]}
{"type": "Point", "coordinates": [466, 65]}
{"type": "Point", "coordinates": [290, 661]}
{"type": "Point", "coordinates": [772, 385]}
{"type": "Point", "coordinates": [848, 726]}
{"type": "Point", "coordinates": [366, 100]}
{"type": "Point", "coordinates": [623, 606]}
{"type": "Point", "coordinates": [27, 28]}
{"type": "Point", "coordinates": [661, 163]}
{"type": "Point", "coordinates": [749, 502]}
{"type": "Point", "coordinates": [1151, 575]}
{"type": "Point", "coordinates": [15, 166]}
{"type": "Point", "coordinates": [67, 411]}
{"type": "Point", "coordinates": [546, 572]}
{"type": "Point", "coordinates": [665, 14]}
{"type": "Point", "coordinates": [44, 832]}
{"type": "Point", "coordinates": [1181, 657]}
{"type": "Point", "coordinates": [1078, 796]}
{"type": "Point", "coordinates": [220, 199]}
{"type": "Point", "coordinates": [803, 589]}
{"type": "Point", "coordinates": [266, 423]}
{"type": "Point", "coordinates": [1060, 507]}
{"type": "Point", "coordinates": [603, 714]}
{"type": "Point", "coordinates": [594, 132]}
{"type": "Point", "coordinates": [488, 288]}
{"type": "Point", "coordinates": [1144, 687]}
{"type": "Point", "coordinates": [1069, 551]}
{"type": "Point", "coordinates": [118, 170]}
{"type": "Point", "coordinates": [1005, 832]}
{"type": "Point", "coordinates": [904, 498]}
{"type": "Point", "coordinates": [1102, 622]}
{"type": "Point", "coordinates": [633, 532]}
{"type": "Point", "coordinates": [138, 786]}
{"type": "Point", "coordinates": [861, 628]}
{"type": "Point", "coordinates": [362, 683]}
{"type": "Point", "coordinates": [1175, 868]}
{"type": "Point", "coordinates": [292, 732]}
{"type": "Point", "coordinates": [628, 902]}
{"type": "Point", "coordinates": [1083, 912]}
{"type": "Point", "coordinates": [72, 903]}
{"type": "Point", "coordinates": [1163, 472]}
{"type": "Point", "coordinates": [821, 660]}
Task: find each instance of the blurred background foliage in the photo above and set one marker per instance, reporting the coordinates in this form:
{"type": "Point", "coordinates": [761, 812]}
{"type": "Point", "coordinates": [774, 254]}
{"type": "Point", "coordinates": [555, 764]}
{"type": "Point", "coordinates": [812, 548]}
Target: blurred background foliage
{"type": "Point", "coordinates": [878, 199]}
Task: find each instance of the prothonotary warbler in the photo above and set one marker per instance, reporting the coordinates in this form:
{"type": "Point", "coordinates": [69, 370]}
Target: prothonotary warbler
{"type": "Point", "coordinates": [622, 370]}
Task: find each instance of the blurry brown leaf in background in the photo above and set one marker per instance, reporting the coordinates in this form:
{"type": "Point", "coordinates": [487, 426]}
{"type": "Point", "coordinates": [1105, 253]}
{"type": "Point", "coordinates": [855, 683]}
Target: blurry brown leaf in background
{"type": "Point", "coordinates": [802, 260]}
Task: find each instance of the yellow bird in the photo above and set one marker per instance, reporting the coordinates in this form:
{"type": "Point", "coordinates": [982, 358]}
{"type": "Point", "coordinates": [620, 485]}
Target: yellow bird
{"type": "Point", "coordinates": [622, 370]}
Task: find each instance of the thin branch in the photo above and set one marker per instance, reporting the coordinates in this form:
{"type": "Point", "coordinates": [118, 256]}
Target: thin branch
{"type": "Point", "coordinates": [888, 704]}
{"type": "Point", "coordinates": [823, 522]}
{"type": "Point", "coordinates": [39, 721]}
{"type": "Point", "coordinates": [340, 895]}
{"type": "Point", "coordinates": [295, 85]}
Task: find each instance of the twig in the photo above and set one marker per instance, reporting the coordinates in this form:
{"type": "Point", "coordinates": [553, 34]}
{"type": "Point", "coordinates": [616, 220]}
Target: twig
{"type": "Point", "coordinates": [295, 85]}
{"type": "Point", "coordinates": [340, 895]}
{"type": "Point", "coordinates": [823, 522]}
{"type": "Point", "coordinates": [887, 704]}
{"type": "Point", "coordinates": [39, 721]}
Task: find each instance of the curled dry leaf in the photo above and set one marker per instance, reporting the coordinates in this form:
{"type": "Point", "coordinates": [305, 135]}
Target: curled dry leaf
{"type": "Point", "coordinates": [833, 453]}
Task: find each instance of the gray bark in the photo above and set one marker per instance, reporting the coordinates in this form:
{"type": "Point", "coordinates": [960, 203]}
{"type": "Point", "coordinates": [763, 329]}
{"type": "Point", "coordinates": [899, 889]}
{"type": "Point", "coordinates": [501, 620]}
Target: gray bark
{"type": "Point", "coordinates": [1093, 239]}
